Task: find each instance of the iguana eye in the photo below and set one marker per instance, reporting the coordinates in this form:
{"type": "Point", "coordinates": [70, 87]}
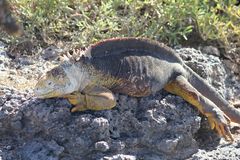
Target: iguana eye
{"type": "Point", "coordinates": [57, 71]}
{"type": "Point", "coordinates": [49, 83]}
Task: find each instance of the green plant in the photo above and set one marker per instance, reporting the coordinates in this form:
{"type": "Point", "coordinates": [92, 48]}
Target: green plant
{"type": "Point", "coordinates": [81, 22]}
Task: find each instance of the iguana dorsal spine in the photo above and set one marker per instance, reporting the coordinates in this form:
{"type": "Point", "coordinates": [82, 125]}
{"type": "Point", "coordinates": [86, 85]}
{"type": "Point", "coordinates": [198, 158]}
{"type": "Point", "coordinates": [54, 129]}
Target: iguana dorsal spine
{"type": "Point", "coordinates": [117, 46]}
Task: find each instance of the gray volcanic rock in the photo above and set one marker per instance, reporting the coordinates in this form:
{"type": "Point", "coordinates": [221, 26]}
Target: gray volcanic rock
{"type": "Point", "coordinates": [161, 126]}
{"type": "Point", "coordinates": [138, 127]}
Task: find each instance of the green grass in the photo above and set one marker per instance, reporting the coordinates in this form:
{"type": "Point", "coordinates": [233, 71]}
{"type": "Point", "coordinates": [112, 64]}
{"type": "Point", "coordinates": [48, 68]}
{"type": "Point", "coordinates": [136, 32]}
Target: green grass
{"type": "Point", "coordinates": [81, 22]}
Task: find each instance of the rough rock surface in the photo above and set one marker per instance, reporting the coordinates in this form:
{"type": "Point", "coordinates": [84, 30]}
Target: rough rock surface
{"type": "Point", "coordinates": [161, 126]}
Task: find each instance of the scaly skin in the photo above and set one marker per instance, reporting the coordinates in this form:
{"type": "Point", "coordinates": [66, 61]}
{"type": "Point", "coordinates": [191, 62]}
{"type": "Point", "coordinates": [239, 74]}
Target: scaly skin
{"type": "Point", "coordinates": [7, 22]}
{"type": "Point", "coordinates": [136, 67]}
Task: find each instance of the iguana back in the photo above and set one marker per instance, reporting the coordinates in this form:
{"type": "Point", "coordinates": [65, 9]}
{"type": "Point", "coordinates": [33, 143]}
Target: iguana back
{"type": "Point", "coordinates": [139, 46]}
{"type": "Point", "coordinates": [143, 66]}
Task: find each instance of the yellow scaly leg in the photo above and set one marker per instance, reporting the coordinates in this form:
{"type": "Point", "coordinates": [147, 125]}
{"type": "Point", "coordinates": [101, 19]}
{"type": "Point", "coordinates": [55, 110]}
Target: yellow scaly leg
{"type": "Point", "coordinates": [94, 98]}
{"type": "Point", "coordinates": [217, 119]}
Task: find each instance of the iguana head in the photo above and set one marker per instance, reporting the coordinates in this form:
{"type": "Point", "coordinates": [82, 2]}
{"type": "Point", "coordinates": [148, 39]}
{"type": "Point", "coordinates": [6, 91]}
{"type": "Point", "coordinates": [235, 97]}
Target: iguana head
{"type": "Point", "coordinates": [57, 82]}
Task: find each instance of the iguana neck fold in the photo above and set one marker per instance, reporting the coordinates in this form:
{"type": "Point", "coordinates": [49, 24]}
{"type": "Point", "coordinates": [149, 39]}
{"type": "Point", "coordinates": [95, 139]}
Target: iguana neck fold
{"type": "Point", "coordinates": [79, 75]}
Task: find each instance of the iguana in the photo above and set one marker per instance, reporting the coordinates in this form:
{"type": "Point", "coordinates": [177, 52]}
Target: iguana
{"type": "Point", "coordinates": [7, 21]}
{"type": "Point", "coordinates": [137, 67]}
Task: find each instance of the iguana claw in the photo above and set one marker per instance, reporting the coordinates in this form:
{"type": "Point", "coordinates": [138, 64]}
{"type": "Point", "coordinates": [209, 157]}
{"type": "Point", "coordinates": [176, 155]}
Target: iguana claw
{"type": "Point", "coordinates": [236, 103]}
{"type": "Point", "coordinates": [78, 108]}
{"type": "Point", "coordinates": [221, 123]}
{"type": "Point", "coordinates": [78, 100]}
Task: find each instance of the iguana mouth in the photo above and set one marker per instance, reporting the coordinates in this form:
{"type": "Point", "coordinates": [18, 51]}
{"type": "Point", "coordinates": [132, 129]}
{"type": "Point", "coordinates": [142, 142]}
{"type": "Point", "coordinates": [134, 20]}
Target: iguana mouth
{"type": "Point", "coordinates": [44, 95]}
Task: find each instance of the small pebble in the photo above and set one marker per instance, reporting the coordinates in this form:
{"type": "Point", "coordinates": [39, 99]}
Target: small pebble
{"type": "Point", "coordinates": [102, 146]}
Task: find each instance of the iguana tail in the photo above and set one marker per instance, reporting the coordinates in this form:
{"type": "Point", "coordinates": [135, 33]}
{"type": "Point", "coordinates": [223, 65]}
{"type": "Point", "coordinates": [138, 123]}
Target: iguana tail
{"type": "Point", "coordinates": [209, 92]}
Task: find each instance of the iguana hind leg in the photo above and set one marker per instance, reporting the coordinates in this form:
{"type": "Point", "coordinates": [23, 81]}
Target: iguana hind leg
{"type": "Point", "coordinates": [94, 98]}
{"type": "Point", "coordinates": [217, 119]}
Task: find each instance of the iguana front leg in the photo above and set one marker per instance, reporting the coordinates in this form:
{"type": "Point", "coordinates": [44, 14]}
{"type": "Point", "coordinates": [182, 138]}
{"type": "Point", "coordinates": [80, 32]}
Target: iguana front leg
{"type": "Point", "coordinates": [94, 98]}
{"type": "Point", "coordinates": [217, 118]}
